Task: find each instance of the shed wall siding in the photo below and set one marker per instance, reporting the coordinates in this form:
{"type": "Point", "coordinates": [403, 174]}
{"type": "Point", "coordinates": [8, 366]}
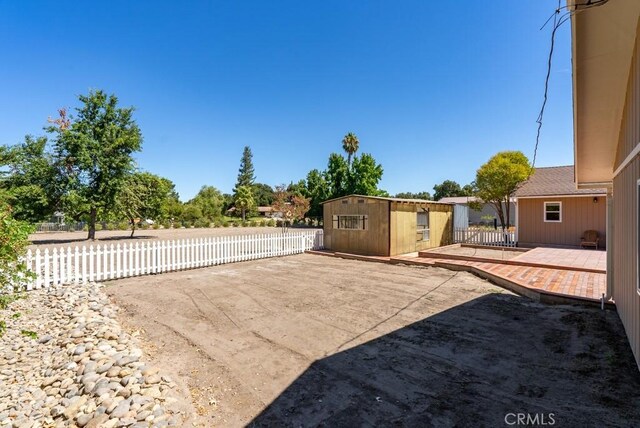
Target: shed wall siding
{"type": "Point", "coordinates": [578, 215]}
{"type": "Point", "coordinates": [404, 227]}
{"type": "Point", "coordinates": [625, 214]}
{"type": "Point", "coordinates": [371, 242]}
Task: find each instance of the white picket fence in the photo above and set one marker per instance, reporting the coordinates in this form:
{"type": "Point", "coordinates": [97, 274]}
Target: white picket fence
{"type": "Point", "coordinates": [66, 265]}
{"type": "Point", "coordinates": [496, 238]}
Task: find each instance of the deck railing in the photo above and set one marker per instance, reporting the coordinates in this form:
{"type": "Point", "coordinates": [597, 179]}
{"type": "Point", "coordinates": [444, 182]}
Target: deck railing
{"type": "Point", "coordinates": [495, 238]}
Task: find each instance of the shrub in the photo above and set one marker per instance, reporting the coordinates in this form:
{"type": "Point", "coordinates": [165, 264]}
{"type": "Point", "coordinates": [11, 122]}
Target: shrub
{"type": "Point", "coordinates": [98, 226]}
{"type": "Point", "coordinates": [236, 224]}
{"type": "Point", "coordinates": [201, 222]}
{"type": "Point", "coordinates": [271, 223]}
{"type": "Point", "coordinates": [186, 224]}
{"type": "Point", "coordinates": [156, 225]}
{"type": "Point", "coordinates": [14, 239]}
{"type": "Point", "coordinates": [225, 223]}
{"type": "Point", "coordinates": [166, 224]}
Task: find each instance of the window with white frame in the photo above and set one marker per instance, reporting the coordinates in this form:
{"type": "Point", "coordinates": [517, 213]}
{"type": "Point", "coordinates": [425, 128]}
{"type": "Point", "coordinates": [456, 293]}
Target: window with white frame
{"type": "Point", "coordinates": [423, 225]}
{"type": "Point", "coordinates": [351, 222]}
{"type": "Point", "coordinates": [553, 212]}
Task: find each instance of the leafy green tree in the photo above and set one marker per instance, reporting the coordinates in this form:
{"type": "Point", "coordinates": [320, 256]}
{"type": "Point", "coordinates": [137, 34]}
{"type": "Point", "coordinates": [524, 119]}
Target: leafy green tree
{"type": "Point", "coordinates": [171, 207]}
{"type": "Point", "coordinates": [350, 145]}
{"type": "Point", "coordinates": [93, 155]}
{"type": "Point", "coordinates": [246, 173]}
{"type": "Point", "coordinates": [499, 178]}
{"type": "Point", "coordinates": [420, 195]}
{"type": "Point", "coordinates": [244, 200]}
{"type": "Point", "coordinates": [447, 189]}
{"type": "Point", "coordinates": [468, 190]}
{"type": "Point", "coordinates": [143, 197]}
{"type": "Point", "coordinates": [29, 179]}
{"type": "Point", "coordinates": [317, 190]}
{"type": "Point", "coordinates": [299, 188]}
{"type": "Point", "coordinates": [210, 201]}
{"type": "Point", "coordinates": [263, 194]}
{"type": "Point", "coordinates": [228, 202]}
{"type": "Point", "coordinates": [337, 176]}
{"type": "Point", "coordinates": [191, 213]}
{"type": "Point", "coordinates": [365, 175]}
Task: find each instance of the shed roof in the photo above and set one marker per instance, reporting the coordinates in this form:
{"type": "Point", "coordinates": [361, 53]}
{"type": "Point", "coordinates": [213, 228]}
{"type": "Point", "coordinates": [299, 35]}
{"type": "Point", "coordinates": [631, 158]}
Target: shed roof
{"type": "Point", "coordinates": [553, 181]}
{"type": "Point", "coordinates": [416, 201]}
{"type": "Point", "coordinates": [458, 199]}
{"type": "Point", "coordinates": [463, 199]}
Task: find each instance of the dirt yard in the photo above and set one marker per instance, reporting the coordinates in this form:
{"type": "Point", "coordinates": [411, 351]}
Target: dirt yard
{"type": "Point", "coordinates": [56, 239]}
{"type": "Point", "coordinates": [309, 340]}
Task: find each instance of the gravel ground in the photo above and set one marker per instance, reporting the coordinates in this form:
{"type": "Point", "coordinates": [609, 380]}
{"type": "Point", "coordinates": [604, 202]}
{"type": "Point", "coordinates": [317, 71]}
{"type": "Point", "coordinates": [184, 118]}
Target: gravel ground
{"type": "Point", "coordinates": [65, 362]}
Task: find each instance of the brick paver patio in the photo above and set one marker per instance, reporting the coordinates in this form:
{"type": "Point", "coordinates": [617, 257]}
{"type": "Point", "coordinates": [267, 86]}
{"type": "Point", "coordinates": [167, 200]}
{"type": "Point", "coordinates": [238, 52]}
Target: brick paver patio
{"type": "Point", "coordinates": [559, 278]}
{"type": "Point", "coordinates": [585, 285]}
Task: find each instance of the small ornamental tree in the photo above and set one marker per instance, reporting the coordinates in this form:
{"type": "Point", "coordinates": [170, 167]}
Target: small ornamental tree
{"type": "Point", "coordinates": [499, 178]}
{"type": "Point", "coordinates": [292, 206]}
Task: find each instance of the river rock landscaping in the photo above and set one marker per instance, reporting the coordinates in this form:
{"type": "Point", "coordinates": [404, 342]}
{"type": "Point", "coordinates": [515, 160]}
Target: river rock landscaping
{"type": "Point", "coordinates": [65, 361]}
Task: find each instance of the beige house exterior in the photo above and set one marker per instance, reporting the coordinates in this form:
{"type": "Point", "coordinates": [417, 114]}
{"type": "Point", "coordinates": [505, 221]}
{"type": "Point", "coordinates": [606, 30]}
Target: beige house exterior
{"type": "Point", "coordinates": [552, 212]}
{"type": "Point", "coordinates": [376, 226]}
{"type": "Point", "coordinates": [606, 107]}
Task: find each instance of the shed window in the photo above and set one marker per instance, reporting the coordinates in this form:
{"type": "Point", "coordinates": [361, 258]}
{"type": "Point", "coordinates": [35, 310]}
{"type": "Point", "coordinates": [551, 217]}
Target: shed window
{"type": "Point", "coordinates": [423, 226]}
{"type": "Point", "coordinates": [553, 212]}
{"type": "Point", "coordinates": [350, 222]}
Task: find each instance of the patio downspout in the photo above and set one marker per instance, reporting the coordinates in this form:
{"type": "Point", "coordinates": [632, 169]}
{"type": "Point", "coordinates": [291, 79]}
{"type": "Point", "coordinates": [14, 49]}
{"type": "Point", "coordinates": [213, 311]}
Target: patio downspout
{"type": "Point", "coordinates": [609, 244]}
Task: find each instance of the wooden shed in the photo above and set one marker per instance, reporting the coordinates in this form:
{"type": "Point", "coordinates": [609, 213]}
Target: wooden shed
{"type": "Point", "coordinates": [376, 226]}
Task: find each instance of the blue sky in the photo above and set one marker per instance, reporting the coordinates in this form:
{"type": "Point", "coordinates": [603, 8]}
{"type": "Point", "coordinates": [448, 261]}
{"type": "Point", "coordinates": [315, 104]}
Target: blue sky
{"type": "Point", "coordinates": [431, 88]}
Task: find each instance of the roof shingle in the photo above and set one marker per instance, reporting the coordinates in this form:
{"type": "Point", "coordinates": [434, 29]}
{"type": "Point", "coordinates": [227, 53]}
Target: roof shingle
{"type": "Point", "coordinates": [553, 181]}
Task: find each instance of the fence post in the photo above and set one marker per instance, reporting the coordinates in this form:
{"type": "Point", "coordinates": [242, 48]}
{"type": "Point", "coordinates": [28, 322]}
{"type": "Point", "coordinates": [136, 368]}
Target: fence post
{"type": "Point", "coordinates": [47, 267]}
{"type": "Point", "coordinates": [38, 268]}
{"type": "Point", "coordinates": [54, 265]}
{"type": "Point", "coordinates": [84, 264]}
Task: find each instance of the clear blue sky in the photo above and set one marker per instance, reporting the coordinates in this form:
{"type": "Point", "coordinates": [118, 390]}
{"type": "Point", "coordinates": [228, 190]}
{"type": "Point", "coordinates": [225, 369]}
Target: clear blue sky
{"type": "Point", "coordinates": [431, 88]}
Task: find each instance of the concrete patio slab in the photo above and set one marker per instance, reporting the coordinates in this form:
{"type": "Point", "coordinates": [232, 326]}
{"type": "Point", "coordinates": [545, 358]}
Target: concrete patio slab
{"type": "Point", "coordinates": [587, 259]}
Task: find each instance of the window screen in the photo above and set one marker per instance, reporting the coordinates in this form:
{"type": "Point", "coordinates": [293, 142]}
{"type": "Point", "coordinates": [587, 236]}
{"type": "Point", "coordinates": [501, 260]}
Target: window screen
{"type": "Point", "coordinates": [553, 212]}
{"type": "Point", "coordinates": [423, 226]}
{"type": "Point", "coordinates": [350, 222]}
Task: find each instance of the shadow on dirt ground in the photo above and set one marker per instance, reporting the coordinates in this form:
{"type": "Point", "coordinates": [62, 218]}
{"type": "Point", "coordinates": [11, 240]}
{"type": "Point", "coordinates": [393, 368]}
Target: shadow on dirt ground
{"type": "Point", "coordinates": [567, 365]}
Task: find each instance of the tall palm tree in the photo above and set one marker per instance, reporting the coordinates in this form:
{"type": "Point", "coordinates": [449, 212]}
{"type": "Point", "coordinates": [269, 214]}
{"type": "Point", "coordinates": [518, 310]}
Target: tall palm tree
{"type": "Point", "coordinates": [350, 145]}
